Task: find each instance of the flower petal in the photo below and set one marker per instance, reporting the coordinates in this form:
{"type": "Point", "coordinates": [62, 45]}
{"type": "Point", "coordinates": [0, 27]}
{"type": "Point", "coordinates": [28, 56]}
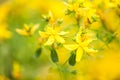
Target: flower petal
{"type": "Point", "coordinates": [78, 37]}
{"type": "Point", "coordinates": [71, 46]}
{"type": "Point", "coordinates": [90, 50]}
{"type": "Point", "coordinates": [26, 27]}
{"type": "Point", "coordinates": [49, 30]}
{"type": "Point", "coordinates": [59, 39]}
{"type": "Point", "coordinates": [86, 42]}
{"type": "Point", "coordinates": [35, 27]}
{"type": "Point", "coordinates": [62, 33]}
{"type": "Point", "coordinates": [50, 40]}
{"type": "Point", "coordinates": [79, 54]}
{"type": "Point", "coordinates": [22, 32]}
{"type": "Point", "coordinates": [43, 34]}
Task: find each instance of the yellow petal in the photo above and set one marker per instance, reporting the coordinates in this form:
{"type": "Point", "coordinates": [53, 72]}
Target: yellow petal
{"type": "Point", "coordinates": [71, 46]}
{"type": "Point", "coordinates": [86, 42]}
{"type": "Point", "coordinates": [59, 39]}
{"type": "Point", "coordinates": [49, 30]}
{"type": "Point", "coordinates": [50, 40]}
{"type": "Point", "coordinates": [26, 27]}
{"type": "Point", "coordinates": [43, 34]}
{"type": "Point", "coordinates": [90, 50]}
{"type": "Point", "coordinates": [79, 54]}
{"type": "Point", "coordinates": [35, 27]}
{"type": "Point", "coordinates": [22, 32]}
{"type": "Point", "coordinates": [51, 14]}
{"type": "Point", "coordinates": [62, 33]}
{"type": "Point", "coordinates": [78, 37]}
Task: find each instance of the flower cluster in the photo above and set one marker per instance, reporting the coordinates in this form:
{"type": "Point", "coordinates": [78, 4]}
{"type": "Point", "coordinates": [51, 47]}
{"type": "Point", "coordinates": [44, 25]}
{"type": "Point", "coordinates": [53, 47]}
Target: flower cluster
{"type": "Point", "coordinates": [53, 35]}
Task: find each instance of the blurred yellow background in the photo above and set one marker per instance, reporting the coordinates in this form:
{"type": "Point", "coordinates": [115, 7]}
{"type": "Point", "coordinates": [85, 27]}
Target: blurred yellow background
{"type": "Point", "coordinates": [17, 60]}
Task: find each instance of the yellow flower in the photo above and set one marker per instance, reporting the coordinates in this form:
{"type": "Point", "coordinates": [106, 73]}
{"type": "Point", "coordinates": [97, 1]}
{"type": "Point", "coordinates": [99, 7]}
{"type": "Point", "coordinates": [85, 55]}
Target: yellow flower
{"type": "Point", "coordinates": [52, 35]}
{"type": "Point", "coordinates": [4, 11]}
{"type": "Point", "coordinates": [75, 6]}
{"type": "Point", "coordinates": [4, 33]}
{"type": "Point", "coordinates": [50, 18]}
{"type": "Point", "coordinates": [82, 41]}
{"type": "Point", "coordinates": [16, 73]}
{"type": "Point", "coordinates": [90, 16]}
{"type": "Point", "coordinates": [27, 30]}
{"type": "Point", "coordinates": [83, 9]}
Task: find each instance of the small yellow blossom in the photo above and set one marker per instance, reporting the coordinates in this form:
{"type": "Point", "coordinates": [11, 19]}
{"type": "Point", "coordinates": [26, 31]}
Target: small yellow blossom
{"type": "Point", "coordinates": [83, 9]}
{"type": "Point", "coordinates": [50, 18]}
{"type": "Point", "coordinates": [27, 30]}
{"type": "Point", "coordinates": [83, 39]}
{"type": "Point", "coordinates": [52, 35]}
{"type": "Point", "coordinates": [75, 7]}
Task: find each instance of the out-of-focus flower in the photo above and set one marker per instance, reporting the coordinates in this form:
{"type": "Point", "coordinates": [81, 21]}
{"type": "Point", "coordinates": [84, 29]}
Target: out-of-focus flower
{"type": "Point", "coordinates": [49, 18]}
{"type": "Point", "coordinates": [84, 10]}
{"type": "Point", "coordinates": [27, 30]}
{"type": "Point", "coordinates": [4, 33]}
{"type": "Point", "coordinates": [82, 40]}
{"type": "Point", "coordinates": [91, 15]}
{"type": "Point", "coordinates": [110, 19]}
{"type": "Point", "coordinates": [16, 73]}
{"type": "Point", "coordinates": [111, 3]}
{"type": "Point", "coordinates": [52, 35]}
{"type": "Point", "coordinates": [3, 77]}
{"type": "Point", "coordinates": [4, 10]}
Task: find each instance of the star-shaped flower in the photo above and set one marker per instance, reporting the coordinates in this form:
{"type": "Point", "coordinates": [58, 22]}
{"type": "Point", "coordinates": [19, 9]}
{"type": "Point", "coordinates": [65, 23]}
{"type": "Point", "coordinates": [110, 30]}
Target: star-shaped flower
{"type": "Point", "coordinates": [27, 30]}
{"type": "Point", "coordinates": [52, 35]}
{"type": "Point", "coordinates": [82, 41]}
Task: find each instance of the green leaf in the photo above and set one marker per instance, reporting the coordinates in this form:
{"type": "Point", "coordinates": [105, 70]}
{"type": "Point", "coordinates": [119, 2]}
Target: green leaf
{"type": "Point", "coordinates": [72, 58]}
{"type": "Point", "coordinates": [38, 52]}
{"type": "Point", "coordinates": [54, 55]}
